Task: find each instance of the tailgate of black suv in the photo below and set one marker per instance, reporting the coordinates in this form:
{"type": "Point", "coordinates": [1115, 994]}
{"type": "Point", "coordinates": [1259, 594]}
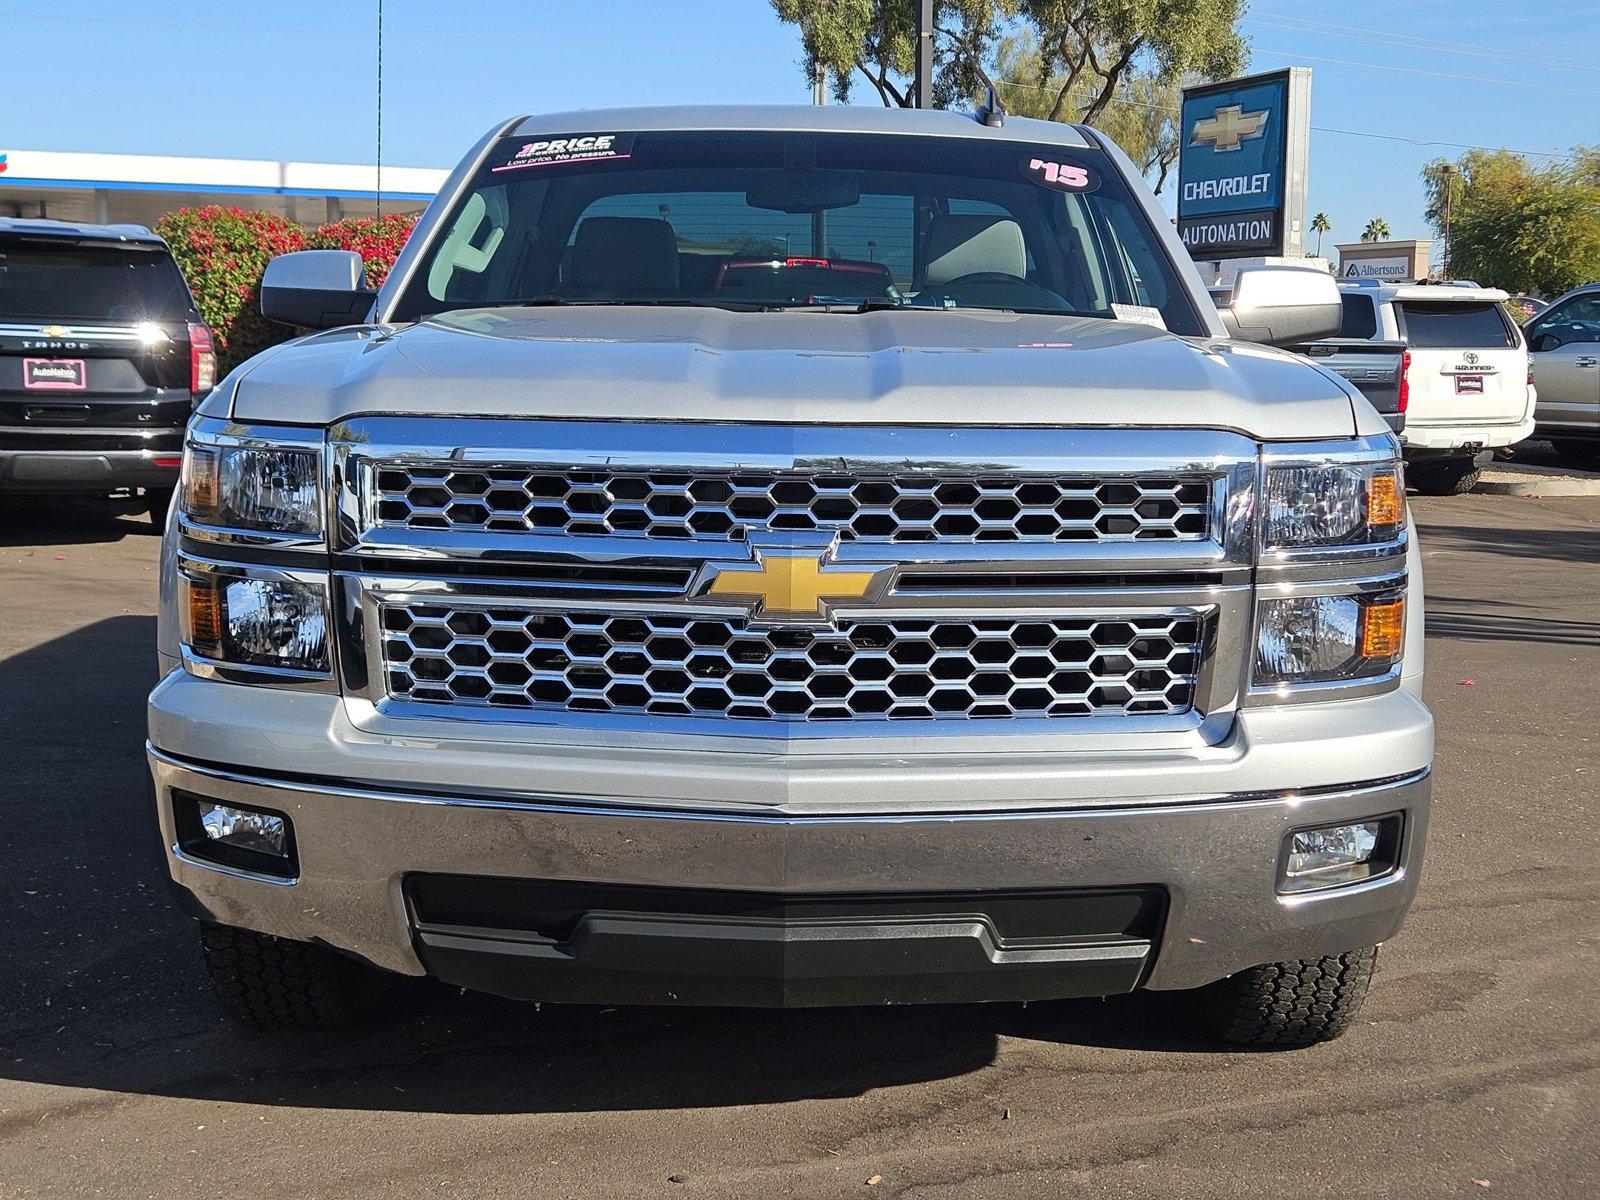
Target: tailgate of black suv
{"type": "Point", "coordinates": [96, 367]}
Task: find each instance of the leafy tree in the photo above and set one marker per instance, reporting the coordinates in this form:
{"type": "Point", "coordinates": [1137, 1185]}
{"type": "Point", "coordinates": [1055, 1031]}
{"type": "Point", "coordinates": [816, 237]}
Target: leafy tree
{"type": "Point", "coordinates": [1094, 45]}
{"type": "Point", "coordinates": [1144, 119]}
{"type": "Point", "coordinates": [1085, 58]}
{"type": "Point", "coordinates": [1320, 225]}
{"type": "Point", "coordinates": [1377, 230]}
{"type": "Point", "coordinates": [1519, 226]}
{"type": "Point", "coordinates": [877, 39]}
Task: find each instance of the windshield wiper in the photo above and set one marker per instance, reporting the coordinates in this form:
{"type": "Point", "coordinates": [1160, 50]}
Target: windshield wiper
{"type": "Point", "coordinates": [548, 301]}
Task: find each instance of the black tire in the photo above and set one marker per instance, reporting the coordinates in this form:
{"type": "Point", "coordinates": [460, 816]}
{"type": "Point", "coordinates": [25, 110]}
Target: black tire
{"type": "Point", "coordinates": [1443, 476]}
{"type": "Point", "coordinates": [1585, 456]}
{"type": "Point", "coordinates": [156, 502]}
{"type": "Point", "coordinates": [267, 982]}
{"type": "Point", "coordinates": [1289, 1003]}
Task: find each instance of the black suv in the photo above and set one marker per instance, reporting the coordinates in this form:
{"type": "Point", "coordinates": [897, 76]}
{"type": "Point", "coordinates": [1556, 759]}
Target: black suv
{"type": "Point", "coordinates": [102, 358]}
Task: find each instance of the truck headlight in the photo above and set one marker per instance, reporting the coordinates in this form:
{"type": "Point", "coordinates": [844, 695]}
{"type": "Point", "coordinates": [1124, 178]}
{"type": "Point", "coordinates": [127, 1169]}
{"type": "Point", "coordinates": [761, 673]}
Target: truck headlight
{"type": "Point", "coordinates": [272, 489]}
{"type": "Point", "coordinates": [1322, 639]}
{"type": "Point", "coordinates": [256, 619]}
{"type": "Point", "coordinates": [1333, 503]}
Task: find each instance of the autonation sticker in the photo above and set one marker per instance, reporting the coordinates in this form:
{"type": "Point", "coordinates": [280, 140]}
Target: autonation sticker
{"type": "Point", "coordinates": [577, 147]}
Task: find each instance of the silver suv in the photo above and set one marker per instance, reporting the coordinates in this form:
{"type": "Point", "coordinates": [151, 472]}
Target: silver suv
{"type": "Point", "coordinates": [1564, 345]}
{"type": "Point", "coordinates": [791, 557]}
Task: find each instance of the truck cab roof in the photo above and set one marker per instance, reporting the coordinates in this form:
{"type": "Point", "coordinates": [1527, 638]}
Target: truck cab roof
{"type": "Point", "coordinates": [805, 118]}
{"type": "Point", "coordinates": [78, 231]}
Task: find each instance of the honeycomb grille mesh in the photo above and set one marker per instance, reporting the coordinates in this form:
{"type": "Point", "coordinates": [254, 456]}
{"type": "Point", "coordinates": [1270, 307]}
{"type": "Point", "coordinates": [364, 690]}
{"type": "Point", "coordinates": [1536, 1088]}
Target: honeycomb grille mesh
{"type": "Point", "coordinates": [729, 505]}
{"type": "Point", "coordinates": [686, 665]}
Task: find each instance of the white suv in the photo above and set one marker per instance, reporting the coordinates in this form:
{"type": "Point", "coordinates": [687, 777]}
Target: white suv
{"type": "Point", "coordinates": [1467, 384]}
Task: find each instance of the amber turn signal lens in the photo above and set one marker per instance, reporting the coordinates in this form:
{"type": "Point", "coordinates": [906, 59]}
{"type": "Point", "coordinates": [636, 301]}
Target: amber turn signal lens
{"type": "Point", "coordinates": [203, 609]}
{"type": "Point", "coordinates": [1383, 628]}
{"type": "Point", "coordinates": [1385, 504]}
{"type": "Point", "coordinates": [201, 486]}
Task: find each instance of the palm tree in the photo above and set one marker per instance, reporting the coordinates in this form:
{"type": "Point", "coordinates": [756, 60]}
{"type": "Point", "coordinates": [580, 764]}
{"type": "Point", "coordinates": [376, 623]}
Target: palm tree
{"type": "Point", "coordinates": [1320, 225]}
{"type": "Point", "coordinates": [1377, 230]}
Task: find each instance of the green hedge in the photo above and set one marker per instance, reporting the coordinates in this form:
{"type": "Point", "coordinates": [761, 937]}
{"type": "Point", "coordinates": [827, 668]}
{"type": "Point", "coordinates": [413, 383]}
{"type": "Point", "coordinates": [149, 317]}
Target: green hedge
{"type": "Point", "coordinates": [224, 251]}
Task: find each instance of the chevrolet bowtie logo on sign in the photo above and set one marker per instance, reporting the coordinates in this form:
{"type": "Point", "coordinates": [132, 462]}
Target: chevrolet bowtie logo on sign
{"type": "Point", "coordinates": [1229, 127]}
{"type": "Point", "coordinates": [789, 585]}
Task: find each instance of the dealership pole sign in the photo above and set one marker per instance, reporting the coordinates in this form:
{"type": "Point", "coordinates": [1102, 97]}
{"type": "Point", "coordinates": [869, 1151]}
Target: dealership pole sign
{"type": "Point", "coordinates": [1242, 168]}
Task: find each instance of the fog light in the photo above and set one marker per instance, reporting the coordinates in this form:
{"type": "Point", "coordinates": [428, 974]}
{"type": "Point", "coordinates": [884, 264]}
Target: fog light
{"type": "Point", "coordinates": [264, 833]}
{"type": "Point", "coordinates": [1335, 855]}
{"type": "Point", "coordinates": [257, 840]}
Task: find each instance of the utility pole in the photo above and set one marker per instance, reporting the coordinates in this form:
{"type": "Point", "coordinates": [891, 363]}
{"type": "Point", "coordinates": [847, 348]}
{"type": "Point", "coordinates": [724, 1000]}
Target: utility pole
{"type": "Point", "coordinates": [819, 219]}
{"type": "Point", "coordinates": [1449, 172]}
{"type": "Point", "coordinates": [924, 53]}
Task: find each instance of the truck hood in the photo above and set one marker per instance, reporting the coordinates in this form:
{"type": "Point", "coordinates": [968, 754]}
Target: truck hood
{"type": "Point", "coordinates": [931, 367]}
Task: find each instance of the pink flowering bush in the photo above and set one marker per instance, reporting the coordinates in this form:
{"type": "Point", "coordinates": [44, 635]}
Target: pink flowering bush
{"type": "Point", "coordinates": [378, 240]}
{"type": "Point", "coordinates": [224, 252]}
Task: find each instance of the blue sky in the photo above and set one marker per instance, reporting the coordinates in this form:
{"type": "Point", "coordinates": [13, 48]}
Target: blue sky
{"type": "Point", "coordinates": [295, 80]}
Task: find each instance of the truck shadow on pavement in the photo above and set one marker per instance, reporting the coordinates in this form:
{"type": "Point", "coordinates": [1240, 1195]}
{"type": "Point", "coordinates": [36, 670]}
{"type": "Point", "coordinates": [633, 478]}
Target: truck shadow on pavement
{"type": "Point", "coordinates": [1513, 542]}
{"type": "Point", "coordinates": [71, 521]}
{"type": "Point", "coordinates": [101, 985]}
{"type": "Point", "coordinates": [1474, 620]}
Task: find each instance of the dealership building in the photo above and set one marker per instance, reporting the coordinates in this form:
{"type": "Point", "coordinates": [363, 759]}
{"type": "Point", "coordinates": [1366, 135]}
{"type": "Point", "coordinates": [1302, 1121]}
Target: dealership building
{"type": "Point", "coordinates": [140, 188]}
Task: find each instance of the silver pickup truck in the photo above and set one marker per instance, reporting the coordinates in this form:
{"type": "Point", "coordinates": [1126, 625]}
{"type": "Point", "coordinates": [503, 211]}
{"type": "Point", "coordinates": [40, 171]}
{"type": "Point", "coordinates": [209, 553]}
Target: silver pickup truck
{"type": "Point", "coordinates": [762, 556]}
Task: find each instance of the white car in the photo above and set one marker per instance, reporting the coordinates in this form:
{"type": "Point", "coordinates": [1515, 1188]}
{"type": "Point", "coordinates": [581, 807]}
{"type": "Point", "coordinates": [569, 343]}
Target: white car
{"type": "Point", "coordinates": [1467, 385]}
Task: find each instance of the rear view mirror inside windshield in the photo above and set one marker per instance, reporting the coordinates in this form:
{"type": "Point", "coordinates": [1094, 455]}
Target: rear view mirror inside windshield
{"type": "Point", "coordinates": [805, 191]}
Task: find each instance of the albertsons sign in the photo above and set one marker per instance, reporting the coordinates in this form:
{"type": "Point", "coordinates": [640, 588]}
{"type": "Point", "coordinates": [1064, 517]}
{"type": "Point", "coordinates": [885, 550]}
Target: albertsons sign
{"type": "Point", "coordinates": [1376, 268]}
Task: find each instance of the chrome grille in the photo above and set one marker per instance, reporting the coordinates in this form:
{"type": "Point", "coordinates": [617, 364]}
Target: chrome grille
{"type": "Point", "coordinates": [728, 505]}
{"type": "Point", "coordinates": [519, 657]}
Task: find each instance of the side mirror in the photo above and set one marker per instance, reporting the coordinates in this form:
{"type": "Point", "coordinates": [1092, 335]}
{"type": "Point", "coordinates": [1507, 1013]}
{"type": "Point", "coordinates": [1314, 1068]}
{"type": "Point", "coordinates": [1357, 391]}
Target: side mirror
{"type": "Point", "coordinates": [1282, 306]}
{"type": "Point", "coordinates": [316, 289]}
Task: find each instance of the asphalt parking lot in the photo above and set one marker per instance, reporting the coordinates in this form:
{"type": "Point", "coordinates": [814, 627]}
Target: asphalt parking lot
{"type": "Point", "coordinates": [1476, 1069]}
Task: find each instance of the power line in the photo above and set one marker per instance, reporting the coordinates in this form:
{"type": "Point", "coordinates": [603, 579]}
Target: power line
{"type": "Point", "coordinates": [1410, 41]}
{"type": "Point", "coordinates": [1175, 110]}
{"type": "Point", "coordinates": [203, 27]}
{"type": "Point", "coordinates": [1478, 79]}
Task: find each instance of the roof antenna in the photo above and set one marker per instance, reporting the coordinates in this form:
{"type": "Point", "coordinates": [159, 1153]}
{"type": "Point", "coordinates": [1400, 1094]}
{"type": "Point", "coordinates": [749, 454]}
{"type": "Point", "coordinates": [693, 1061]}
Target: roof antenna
{"type": "Point", "coordinates": [379, 202]}
{"type": "Point", "coordinates": [992, 113]}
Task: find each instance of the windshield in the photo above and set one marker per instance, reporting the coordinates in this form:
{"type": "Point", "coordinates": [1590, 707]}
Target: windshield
{"type": "Point", "coordinates": [52, 279]}
{"type": "Point", "coordinates": [781, 220]}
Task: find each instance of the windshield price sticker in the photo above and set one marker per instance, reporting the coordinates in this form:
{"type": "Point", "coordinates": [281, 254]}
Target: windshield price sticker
{"type": "Point", "coordinates": [586, 147]}
{"type": "Point", "coordinates": [1139, 314]}
{"type": "Point", "coordinates": [1063, 176]}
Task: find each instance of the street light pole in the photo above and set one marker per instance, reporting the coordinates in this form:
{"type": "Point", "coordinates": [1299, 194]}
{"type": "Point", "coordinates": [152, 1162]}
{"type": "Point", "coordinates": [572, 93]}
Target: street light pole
{"type": "Point", "coordinates": [1450, 172]}
{"type": "Point", "coordinates": [924, 53]}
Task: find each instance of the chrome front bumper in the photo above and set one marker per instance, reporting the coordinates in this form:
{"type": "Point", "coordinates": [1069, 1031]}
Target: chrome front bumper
{"type": "Point", "coordinates": [1215, 859]}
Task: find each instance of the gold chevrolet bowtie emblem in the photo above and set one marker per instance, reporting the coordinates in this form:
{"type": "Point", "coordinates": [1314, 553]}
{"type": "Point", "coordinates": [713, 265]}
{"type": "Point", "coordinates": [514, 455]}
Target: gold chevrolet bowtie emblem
{"type": "Point", "coordinates": [55, 331]}
{"type": "Point", "coordinates": [1229, 126]}
{"type": "Point", "coordinates": [791, 585]}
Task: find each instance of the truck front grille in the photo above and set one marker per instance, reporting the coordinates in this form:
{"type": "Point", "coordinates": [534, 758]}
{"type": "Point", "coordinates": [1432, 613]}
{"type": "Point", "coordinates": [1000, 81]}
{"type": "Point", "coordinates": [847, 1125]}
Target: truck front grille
{"type": "Point", "coordinates": [521, 657]}
{"type": "Point", "coordinates": [729, 505]}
